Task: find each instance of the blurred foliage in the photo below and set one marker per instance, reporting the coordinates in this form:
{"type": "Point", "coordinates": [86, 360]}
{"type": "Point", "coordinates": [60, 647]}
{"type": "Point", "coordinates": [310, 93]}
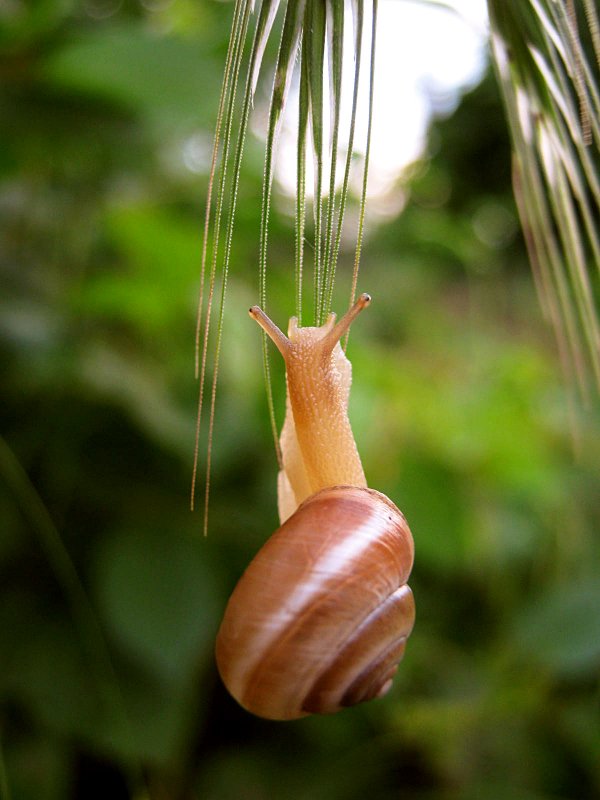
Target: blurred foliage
{"type": "Point", "coordinates": [111, 598]}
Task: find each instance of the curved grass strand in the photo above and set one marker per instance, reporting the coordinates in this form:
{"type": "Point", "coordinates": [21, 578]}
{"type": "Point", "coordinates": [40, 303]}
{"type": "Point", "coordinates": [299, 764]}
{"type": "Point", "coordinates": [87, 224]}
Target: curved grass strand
{"type": "Point", "coordinates": [255, 54]}
{"type": "Point", "coordinates": [5, 793]}
{"type": "Point", "coordinates": [358, 21]}
{"type": "Point", "coordinates": [335, 36]}
{"type": "Point", "coordinates": [300, 222]}
{"type": "Point", "coordinates": [552, 95]}
{"type": "Point", "coordinates": [290, 39]}
{"type": "Point", "coordinates": [314, 46]}
{"type": "Point", "coordinates": [225, 89]}
{"type": "Point", "coordinates": [230, 94]}
{"type": "Point", "coordinates": [363, 197]}
{"type": "Point", "coordinates": [84, 617]}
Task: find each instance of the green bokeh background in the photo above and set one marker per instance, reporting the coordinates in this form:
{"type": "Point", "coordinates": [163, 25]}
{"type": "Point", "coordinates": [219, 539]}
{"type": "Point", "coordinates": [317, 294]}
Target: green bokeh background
{"type": "Point", "coordinates": [458, 405]}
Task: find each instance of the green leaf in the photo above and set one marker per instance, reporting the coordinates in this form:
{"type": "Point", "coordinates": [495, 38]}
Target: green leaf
{"type": "Point", "coordinates": [51, 675]}
{"type": "Point", "coordinates": [160, 252]}
{"type": "Point", "coordinates": [560, 629]}
{"type": "Point", "coordinates": [163, 77]}
{"type": "Point", "coordinates": [158, 597]}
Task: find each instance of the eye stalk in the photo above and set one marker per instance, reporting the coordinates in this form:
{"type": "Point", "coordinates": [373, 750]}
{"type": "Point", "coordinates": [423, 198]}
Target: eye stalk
{"type": "Point", "coordinates": [332, 333]}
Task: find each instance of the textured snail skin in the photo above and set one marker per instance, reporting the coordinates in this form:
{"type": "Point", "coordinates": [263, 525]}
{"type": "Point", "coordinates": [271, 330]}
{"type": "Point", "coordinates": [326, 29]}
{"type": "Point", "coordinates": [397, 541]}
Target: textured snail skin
{"type": "Point", "coordinates": [319, 620]}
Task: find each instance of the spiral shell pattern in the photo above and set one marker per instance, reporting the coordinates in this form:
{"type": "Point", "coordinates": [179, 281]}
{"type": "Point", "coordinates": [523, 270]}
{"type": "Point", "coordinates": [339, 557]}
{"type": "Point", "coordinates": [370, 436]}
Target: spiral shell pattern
{"type": "Point", "coordinates": [319, 619]}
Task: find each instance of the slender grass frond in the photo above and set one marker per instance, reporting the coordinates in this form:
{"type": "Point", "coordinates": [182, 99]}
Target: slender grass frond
{"type": "Point", "coordinates": [314, 39]}
{"type": "Point", "coordinates": [5, 793]}
{"type": "Point", "coordinates": [311, 43]}
{"type": "Point", "coordinates": [234, 43]}
{"type": "Point", "coordinates": [224, 117]}
{"type": "Point", "coordinates": [570, 28]}
{"type": "Point", "coordinates": [290, 38]}
{"type": "Point", "coordinates": [91, 636]}
{"type": "Point", "coordinates": [303, 112]}
{"type": "Point", "coordinates": [591, 15]}
{"type": "Point", "coordinates": [358, 17]}
{"type": "Point", "coordinates": [288, 47]}
{"type": "Point", "coordinates": [363, 198]}
{"type": "Point", "coordinates": [335, 35]}
{"type": "Point", "coordinates": [263, 28]}
{"type": "Point", "coordinates": [546, 56]}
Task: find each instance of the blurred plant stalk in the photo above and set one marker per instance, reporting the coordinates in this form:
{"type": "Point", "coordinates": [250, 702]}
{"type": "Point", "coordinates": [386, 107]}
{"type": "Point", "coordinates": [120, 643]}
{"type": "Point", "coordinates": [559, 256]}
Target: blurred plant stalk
{"type": "Point", "coordinates": [547, 57]}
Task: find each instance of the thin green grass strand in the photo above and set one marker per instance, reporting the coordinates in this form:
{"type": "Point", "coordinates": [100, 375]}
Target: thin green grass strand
{"type": "Point", "coordinates": [335, 30]}
{"type": "Point", "coordinates": [314, 47]}
{"type": "Point", "coordinates": [300, 222]}
{"type": "Point", "coordinates": [552, 97]}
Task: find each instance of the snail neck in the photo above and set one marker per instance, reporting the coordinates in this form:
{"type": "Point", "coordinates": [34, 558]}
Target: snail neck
{"type": "Point", "coordinates": [317, 442]}
{"type": "Point", "coordinates": [319, 379]}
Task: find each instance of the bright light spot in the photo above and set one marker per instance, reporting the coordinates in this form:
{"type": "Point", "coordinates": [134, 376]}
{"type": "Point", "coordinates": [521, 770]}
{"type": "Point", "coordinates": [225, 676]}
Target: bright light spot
{"type": "Point", "coordinates": [197, 151]}
{"type": "Point", "coordinates": [426, 56]}
{"type": "Point", "coordinates": [102, 9]}
{"type": "Point", "coordinates": [494, 224]}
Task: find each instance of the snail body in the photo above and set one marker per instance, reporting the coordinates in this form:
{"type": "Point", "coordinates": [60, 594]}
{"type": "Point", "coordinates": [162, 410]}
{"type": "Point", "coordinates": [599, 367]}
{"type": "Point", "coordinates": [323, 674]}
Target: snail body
{"type": "Point", "coordinates": [319, 619]}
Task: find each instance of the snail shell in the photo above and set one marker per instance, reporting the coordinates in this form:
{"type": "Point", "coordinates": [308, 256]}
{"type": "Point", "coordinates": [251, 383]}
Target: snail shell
{"type": "Point", "coordinates": [319, 620]}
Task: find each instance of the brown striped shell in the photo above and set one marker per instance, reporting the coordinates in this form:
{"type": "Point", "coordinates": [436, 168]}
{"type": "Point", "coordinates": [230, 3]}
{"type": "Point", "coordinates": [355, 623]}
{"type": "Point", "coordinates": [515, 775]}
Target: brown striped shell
{"type": "Point", "coordinates": [319, 619]}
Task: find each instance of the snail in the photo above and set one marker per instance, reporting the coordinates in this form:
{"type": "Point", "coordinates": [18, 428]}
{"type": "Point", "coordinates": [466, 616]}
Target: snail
{"type": "Point", "coordinates": [320, 618]}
